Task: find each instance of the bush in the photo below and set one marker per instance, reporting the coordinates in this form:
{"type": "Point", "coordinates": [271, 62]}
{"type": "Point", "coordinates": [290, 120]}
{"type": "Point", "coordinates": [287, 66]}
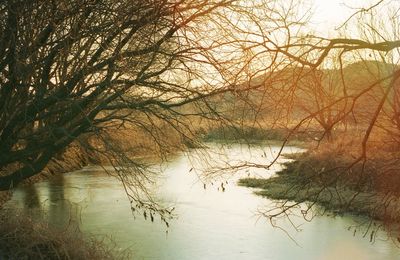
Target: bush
{"type": "Point", "coordinates": [21, 237]}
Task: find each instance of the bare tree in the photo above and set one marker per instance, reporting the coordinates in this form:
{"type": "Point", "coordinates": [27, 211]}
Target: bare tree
{"type": "Point", "coordinates": [68, 68]}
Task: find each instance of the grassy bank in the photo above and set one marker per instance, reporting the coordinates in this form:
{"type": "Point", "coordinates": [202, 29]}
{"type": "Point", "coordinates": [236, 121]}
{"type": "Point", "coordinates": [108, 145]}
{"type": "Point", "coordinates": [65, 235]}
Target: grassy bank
{"type": "Point", "coordinates": [21, 237]}
{"type": "Point", "coordinates": [325, 180]}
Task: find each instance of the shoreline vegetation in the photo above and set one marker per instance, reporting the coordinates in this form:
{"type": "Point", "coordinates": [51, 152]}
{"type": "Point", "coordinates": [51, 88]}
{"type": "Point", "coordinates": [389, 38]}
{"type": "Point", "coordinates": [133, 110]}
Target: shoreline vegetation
{"type": "Point", "coordinates": [23, 237]}
{"type": "Point", "coordinates": [322, 180]}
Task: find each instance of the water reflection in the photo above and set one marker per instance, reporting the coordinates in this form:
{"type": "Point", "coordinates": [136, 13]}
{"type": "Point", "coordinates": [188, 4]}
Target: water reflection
{"type": "Point", "coordinates": [59, 207]}
{"type": "Point", "coordinates": [211, 224]}
{"type": "Point", "coordinates": [47, 200]}
{"type": "Point", "coordinates": [31, 198]}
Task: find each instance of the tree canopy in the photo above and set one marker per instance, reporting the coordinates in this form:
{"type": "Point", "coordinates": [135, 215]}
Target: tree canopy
{"type": "Point", "coordinates": [68, 66]}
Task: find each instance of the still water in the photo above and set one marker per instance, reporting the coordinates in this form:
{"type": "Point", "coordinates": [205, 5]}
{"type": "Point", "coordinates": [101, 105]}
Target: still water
{"type": "Point", "coordinates": [209, 223]}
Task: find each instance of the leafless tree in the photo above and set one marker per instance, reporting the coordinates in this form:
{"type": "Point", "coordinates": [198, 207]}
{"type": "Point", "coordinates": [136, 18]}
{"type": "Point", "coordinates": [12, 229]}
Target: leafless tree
{"type": "Point", "coordinates": [70, 68]}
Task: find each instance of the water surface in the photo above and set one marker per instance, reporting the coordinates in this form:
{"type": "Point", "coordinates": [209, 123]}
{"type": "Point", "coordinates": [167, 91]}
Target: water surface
{"type": "Point", "coordinates": [210, 223]}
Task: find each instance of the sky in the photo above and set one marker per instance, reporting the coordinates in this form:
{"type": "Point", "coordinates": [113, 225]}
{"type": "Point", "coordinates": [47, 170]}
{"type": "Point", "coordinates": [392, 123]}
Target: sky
{"type": "Point", "coordinates": [329, 14]}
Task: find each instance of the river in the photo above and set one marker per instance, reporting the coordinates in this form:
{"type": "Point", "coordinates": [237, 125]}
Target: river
{"type": "Point", "coordinates": [209, 223]}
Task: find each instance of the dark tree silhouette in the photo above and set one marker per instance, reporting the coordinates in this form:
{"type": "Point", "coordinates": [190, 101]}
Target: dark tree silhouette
{"type": "Point", "coordinates": [73, 67]}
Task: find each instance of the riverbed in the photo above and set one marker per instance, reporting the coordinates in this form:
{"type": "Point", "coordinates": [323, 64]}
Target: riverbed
{"type": "Point", "coordinates": [210, 222]}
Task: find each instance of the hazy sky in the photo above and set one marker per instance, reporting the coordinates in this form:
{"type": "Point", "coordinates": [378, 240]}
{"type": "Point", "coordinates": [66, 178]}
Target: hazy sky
{"type": "Point", "coordinates": [331, 13]}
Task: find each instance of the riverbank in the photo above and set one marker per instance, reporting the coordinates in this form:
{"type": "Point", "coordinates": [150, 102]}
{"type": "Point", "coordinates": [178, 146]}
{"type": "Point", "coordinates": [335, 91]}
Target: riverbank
{"type": "Point", "coordinates": [26, 237]}
{"type": "Point", "coordinates": [73, 158]}
{"type": "Point", "coordinates": [110, 148]}
{"type": "Point", "coordinates": [22, 237]}
{"type": "Point", "coordinates": [323, 179]}
{"type": "Point", "coordinates": [256, 135]}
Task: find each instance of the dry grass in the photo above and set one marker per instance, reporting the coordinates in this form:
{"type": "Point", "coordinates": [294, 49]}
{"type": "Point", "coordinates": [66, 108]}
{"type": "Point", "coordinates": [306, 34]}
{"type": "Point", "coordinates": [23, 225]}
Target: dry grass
{"type": "Point", "coordinates": [21, 237]}
{"type": "Point", "coordinates": [333, 175]}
